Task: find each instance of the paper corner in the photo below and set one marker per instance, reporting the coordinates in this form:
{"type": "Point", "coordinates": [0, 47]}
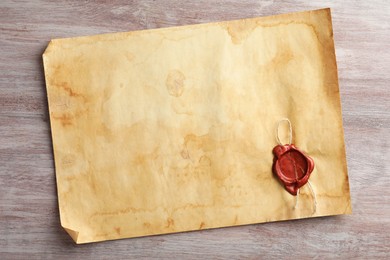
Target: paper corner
{"type": "Point", "coordinates": [74, 234]}
{"type": "Point", "coordinates": [49, 48]}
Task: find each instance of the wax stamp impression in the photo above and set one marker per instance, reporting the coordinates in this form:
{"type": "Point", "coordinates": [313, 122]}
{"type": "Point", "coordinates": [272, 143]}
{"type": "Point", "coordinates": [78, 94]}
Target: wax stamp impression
{"type": "Point", "coordinates": [292, 166]}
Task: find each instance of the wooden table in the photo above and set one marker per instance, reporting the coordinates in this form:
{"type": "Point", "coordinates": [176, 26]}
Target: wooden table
{"type": "Point", "coordinates": [29, 220]}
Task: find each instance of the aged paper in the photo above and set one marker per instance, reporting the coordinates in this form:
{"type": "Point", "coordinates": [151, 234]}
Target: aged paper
{"type": "Point", "coordinates": [171, 130]}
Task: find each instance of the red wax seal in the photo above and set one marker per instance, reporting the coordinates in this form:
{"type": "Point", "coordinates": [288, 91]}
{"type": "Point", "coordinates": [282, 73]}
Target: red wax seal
{"type": "Point", "coordinates": [292, 167]}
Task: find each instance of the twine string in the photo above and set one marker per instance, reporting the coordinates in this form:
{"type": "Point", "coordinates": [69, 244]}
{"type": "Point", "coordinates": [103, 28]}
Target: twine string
{"type": "Point", "coordinates": [314, 197]}
{"type": "Point", "coordinates": [295, 169]}
{"type": "Point", "coordinates": [290, 130]}
{"type": "Point", "coordinates": [297, 199]}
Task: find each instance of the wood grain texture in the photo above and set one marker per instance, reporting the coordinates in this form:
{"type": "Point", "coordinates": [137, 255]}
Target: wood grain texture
{"type": "Point", "coordinates": [29, 221]}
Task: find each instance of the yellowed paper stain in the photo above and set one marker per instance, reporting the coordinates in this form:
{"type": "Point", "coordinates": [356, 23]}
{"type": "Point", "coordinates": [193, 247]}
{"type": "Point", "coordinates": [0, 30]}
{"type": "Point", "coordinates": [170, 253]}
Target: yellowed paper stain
{"type": "Point", "coordinates": [172, 129]}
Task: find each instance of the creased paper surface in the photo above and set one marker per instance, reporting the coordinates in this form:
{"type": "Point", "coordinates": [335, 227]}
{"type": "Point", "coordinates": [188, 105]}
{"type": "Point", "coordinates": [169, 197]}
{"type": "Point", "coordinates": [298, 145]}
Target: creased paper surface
{"type": "Point", "coordinates": [172, 129]}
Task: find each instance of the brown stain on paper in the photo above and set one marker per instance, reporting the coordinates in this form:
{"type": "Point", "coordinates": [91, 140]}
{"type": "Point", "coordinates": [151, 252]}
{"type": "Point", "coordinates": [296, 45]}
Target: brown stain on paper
{"type": "Point", "coordinates": [65, 119]}
{"type": "Point", "coordinates": [175, 83]}
{"type": "Point", "coordinates": [129, 56]}
{"type": "Point", "coordinates": [282, 57]}
{"type": "Point", "coordinates": [170, 223]}
{"type": "Point", "coordinates": [68, 118]}
{"type": "Point", "coordinates": [202, 225]}
{"type": "Point", "coordinates": [68, 89]}
{"type": "Point", "coordinates": [240, 30]}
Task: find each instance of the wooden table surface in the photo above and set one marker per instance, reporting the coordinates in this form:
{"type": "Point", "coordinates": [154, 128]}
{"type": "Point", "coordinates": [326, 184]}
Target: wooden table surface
{"type": "Point", "coordinates": [29, 220]}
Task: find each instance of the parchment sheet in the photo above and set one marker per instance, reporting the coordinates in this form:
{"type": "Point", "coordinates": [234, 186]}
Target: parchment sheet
{"type": "Point", "coordinates": [171, 130]}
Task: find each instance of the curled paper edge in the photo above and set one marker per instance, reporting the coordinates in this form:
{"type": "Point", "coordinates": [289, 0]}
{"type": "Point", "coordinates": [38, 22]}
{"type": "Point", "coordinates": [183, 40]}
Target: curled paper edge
{"type": "Point", "coordinates": [73, 234]}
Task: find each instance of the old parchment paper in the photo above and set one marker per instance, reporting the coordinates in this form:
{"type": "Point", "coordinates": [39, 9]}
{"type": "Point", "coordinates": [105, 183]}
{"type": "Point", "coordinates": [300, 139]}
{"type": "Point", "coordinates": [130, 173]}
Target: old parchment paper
{"type": "Point", "coordinates": [171, 130]}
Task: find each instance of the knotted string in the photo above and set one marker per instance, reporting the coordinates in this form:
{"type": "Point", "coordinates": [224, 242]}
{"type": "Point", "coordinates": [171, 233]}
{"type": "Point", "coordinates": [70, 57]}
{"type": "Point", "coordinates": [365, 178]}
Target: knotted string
{"type": "Point", "coordinates": [295, 169]}
{"type": "Point", "coordinates": [290, 133]}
